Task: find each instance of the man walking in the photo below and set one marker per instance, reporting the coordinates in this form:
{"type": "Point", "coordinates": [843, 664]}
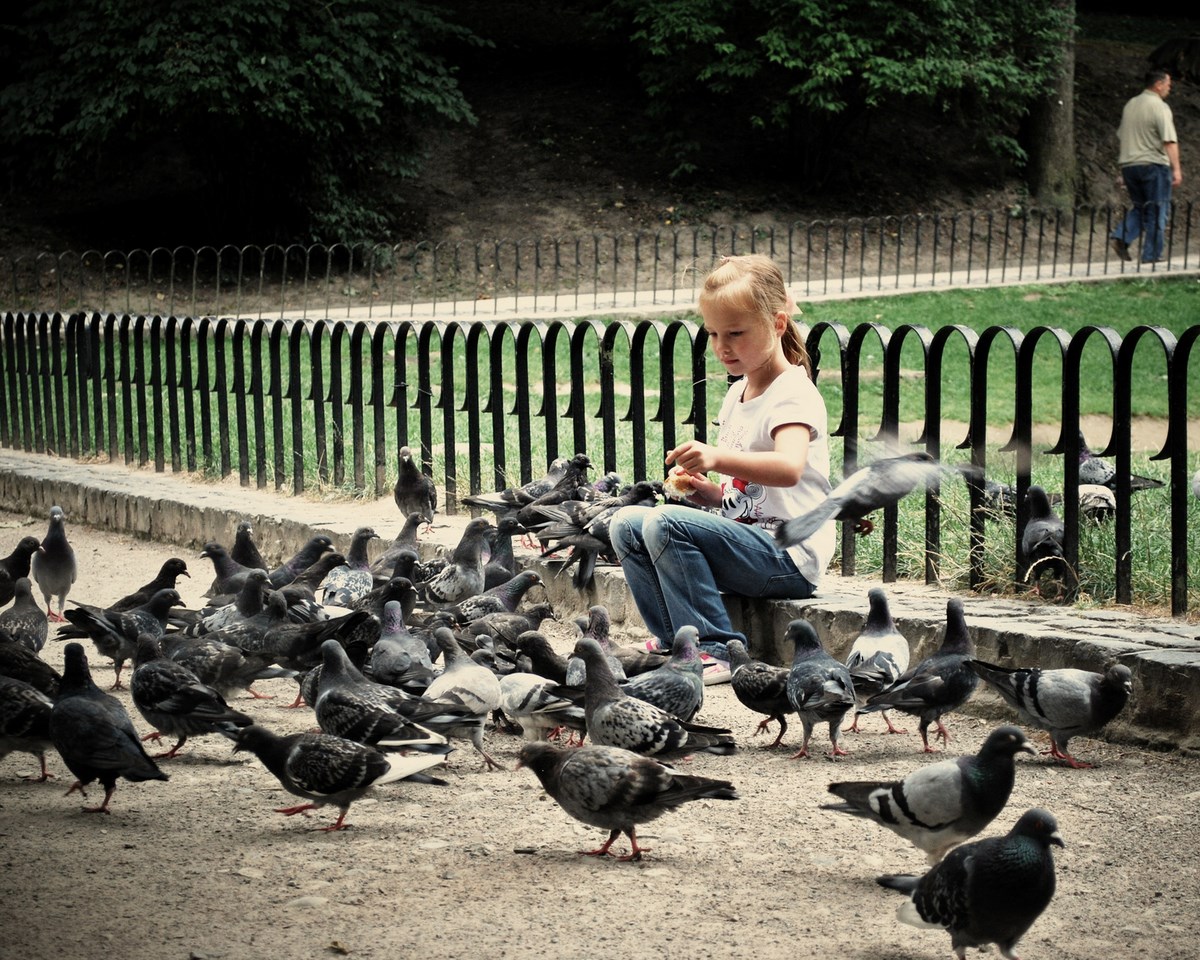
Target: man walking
{"type": "Point", "coordinates": [1149, 160]}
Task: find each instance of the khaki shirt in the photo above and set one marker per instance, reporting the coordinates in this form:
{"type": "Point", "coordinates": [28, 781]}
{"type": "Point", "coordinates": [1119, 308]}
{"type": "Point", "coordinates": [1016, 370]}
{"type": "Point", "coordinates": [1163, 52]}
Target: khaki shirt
{"type": "Point", "coordinates": [1146, 124]}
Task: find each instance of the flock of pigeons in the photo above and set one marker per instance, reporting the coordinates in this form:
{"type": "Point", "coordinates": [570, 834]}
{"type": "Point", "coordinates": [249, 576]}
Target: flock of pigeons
{"type": "Point", "coordinates": [399, 658]}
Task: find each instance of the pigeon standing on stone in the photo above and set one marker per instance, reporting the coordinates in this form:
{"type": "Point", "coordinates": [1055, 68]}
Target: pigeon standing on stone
{"type": "Point", "coordinates": [25, 621]}
{"type": "Point", "coordinates": [326, 769]}
{"type": "Point", "coordinates": [989, 891]}
{"type": "Point", "coordinates": [1042, 541]}
{"type": "Point", "coordinates": [115, 632]}
{"type": "Point", "coordinates": [15, 566]}
{"type": "Point", "coordinates": [510, 500]}
{"type": "Point", "coordinates": [1093, 469]}
{"type": "Point", "coordinates": [25, 722]}
{"type": "Point", "coordinates": [938, 684]}
{"type": "Point", "coordinates": [762, 687]}
{"type": "Point", "coordinates": [939, 806]}
{"type": "Point", "coordinates": [53, 565]}
{"type": "Point", "coordinates": [343, 585]}
{"type": "Point", "coordinates": [615, 789]}
{"type": "Point", "coordinates": [94, 735]}
{"type": "Point", "coordinates": [678, 685]}
{"type": "Point", "coordinates": [1066, 702]}
{"type": "Point", "coordinates": [878, 657]}
{"type": "Point", "coordinates": [819, 686]}
{"type": "Point", "coordinates": [414, 491]}
{"type": "Point", "coordinates": [462, 577]}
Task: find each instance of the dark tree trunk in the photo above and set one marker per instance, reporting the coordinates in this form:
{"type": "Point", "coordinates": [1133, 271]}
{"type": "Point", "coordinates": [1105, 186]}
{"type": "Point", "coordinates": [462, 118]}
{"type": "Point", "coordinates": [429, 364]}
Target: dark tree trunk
{"type": "Point", "coordinates": [1050, 134]}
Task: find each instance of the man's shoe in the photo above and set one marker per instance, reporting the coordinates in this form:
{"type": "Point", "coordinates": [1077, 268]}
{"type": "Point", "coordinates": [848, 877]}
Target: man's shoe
{"type": "Point", "coordinates": [715, 671]}
{"type": "Point", "coordinates": [1121, 248]}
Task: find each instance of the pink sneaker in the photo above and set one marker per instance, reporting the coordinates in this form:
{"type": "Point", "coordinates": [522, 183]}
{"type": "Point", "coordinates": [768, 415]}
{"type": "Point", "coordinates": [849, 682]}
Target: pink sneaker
{"type": "Point", "coordinates": [715, 671]}
{"type": "Point", "coordinates": [653, 646]}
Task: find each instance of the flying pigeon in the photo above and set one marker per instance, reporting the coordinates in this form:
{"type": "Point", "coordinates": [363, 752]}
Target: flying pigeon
{"type": "Point", "coordinates": [345, 584]}
{"type": "Point", "coordinates": [762, 687]}
{"type": "Point", "coordinates": [326, 769]}
{"type": "Point", "coordinates": [939, 806]}
{"type": "Point", "coordinates": [414, 492]}
{"type": "Point", "coordinates": [53, 565]}
{"type": "Point", "coordinates": [615, 789]}
{"type": "Point", "coordinates": [615, 719]}
{"type": "Point", "coordinates": [15, 566]}
{"type": "Point", "coordinates": [1066, 702]}
{"type": "Point", "coordinates": [938, 684]}
{"type": "Point", "coordinates": [819, 687]}
{"type": "Point", "coordinates": [1042, 541]}
{"type": "Point", "coordinates": [244, 549]}
{"type": "Point", "coordinates": [175, 702]}
{"type": "Point", "coordinates": [879, 655]}
{"type": "Point", "coordinates": [678, 685]}
{"type": "Point", "coordinates": [989, 891]}
{"type": "Point", "coordinates": [1093, 469]}
{"type": "Point", "coordinates": [25, 722]}
{"type": "Point", "coordinates": [878, 485]}
{"type": "Point", "coordinates": [24, 621]}
{"type": "Point", "coordinates": [115, 632]}
{"type": "Point", "coordinates": [462, 577]}
{"type": "Point", "coordinates": [93, 734]}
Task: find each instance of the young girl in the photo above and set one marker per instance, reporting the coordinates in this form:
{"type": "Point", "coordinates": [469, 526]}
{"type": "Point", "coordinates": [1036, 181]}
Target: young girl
{"type": "Point", "coordinates": [772, 455]}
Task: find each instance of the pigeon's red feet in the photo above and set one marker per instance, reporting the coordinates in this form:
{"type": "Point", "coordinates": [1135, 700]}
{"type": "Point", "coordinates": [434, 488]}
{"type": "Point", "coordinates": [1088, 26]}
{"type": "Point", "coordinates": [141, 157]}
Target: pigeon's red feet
{"type": "Point", "coordinates": [890, 727]}
{"type": "Point", "coordinates": [853, 728]}
{"type": "Point", "coordinates": [602, 850]}
{"type": "Point", "coordinates": [266, 696]}
{"type": "Point", "coordinates": [338, 824]}
{"type": "Point", "coordinates": [302, 808]}
{"type": "Point", "coordinates": [156, 736]}
{"type": "Point", "coordinates": [1066, 758]}
{"type": "Point", "coordinates": [294, 705]}
{"type": "Point", "coordinates": [45, 774]}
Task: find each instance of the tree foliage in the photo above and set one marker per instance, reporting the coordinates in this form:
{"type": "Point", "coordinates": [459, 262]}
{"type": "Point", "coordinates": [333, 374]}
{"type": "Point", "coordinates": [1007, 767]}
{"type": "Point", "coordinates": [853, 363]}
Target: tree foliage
{"type": "Point", "coordinates": [805, 71]}
{"type": "Point", "coordinates": [282, 108]}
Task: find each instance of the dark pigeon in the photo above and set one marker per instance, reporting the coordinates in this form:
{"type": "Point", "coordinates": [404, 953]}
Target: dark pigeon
{"type": "Point", "coordinates": [544, 659]}
{"type": "Point", "coordinates": [25, 722]}
{"type": "Point", "coordinates": [944, 804]}
{"type": "Point", "coordinates": [678, 685]}
{"type": "Point", "coordinates": [115, 632]}
{"type": "Point", "coordinates": [345, 584]}
{"type": "Point", "coordinates": [819, 687]}
{"type": "Point", "coordinates": [226, 668]}
{"type": "Point", "coordinates": [175, 702]}
{"type": "Point", "coordinates": [230, 575]}
{"type": "Point", "coordinates": [598, 627]}
{"type": "Point", "coordinates": [245, 550]}
{"type": "Point", "coordinates": [506, 627]}
{"type": "Point", "coordinates": [414, 491]}
{"type": "Point", "coordinates": [501, 565]}
{"type": "Point", "coordinates": [989, 891]}
{"type": "Point", "coordinates": [93, 734]}
{"type": "Point", "coordinates": [15, 566]}
{"type": "Point", "coordinates": [938, 684]}
{"type": "Point", "coordinates": [1066, 702]}
{"type": "Point", "coordinates": [167, 578]}
{"type": "Point", "coordinates": [879, 656]}
{"type": "Point", "coordinates": [399, 589]}
{"type": "Point", "coordinates": [1093, 469]}
{"type": "Point", "coordinates": [510, 500]}
{"type": "Point", "coordinates": [1042, 542]}
{"type": "Point", "coordinates": [462, 577]}
{"type": "Point", "coordinates": [615, 789]}
{"type": "Point", "coordinates": [761, 687]}
{"type": "Point", "coordinates": [53, 566]}
{"type": "Point", "coordinates": [288, 571]}
{"type": "Point", "coordinates": [247, 603]}
{"type": "Point", "coordinates": [21, 663]}
{"type": "Point", "coordinates": [383, 567]}
{"type": "Point", "coordinates": [868, 489]}
{"type": "Point", "coordinates": [25, 621]}
{"type": "Point", "coordinates": [311, 577]}
{"type": "Point", "coordinates": [326, 769]}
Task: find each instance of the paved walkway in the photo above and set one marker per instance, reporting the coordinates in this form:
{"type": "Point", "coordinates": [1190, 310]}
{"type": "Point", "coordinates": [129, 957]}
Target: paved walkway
{"type": "Point", "coordinates": [180, 509]}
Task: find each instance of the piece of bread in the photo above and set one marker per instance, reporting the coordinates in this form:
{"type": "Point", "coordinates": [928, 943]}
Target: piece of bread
{"type": "Point", "coordinates": [678, 485]}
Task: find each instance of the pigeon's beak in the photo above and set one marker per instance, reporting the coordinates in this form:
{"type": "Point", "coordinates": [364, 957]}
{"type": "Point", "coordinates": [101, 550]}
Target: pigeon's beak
{"type": "Point", "coordinates": [1028, 747]}
{"type": "Point", "coordinates": [1057, 840]}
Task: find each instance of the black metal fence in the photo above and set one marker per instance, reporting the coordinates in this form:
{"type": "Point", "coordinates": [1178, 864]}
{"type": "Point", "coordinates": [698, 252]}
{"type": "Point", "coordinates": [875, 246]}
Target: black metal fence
{"type": "Point", "coordinates": [639, 270]}
{"type": "Point", "coordinates": [297, 403]}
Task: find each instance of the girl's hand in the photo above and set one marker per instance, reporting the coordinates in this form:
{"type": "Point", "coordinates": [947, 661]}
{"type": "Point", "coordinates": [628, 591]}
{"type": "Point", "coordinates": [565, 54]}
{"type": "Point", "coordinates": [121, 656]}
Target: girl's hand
{"type": "Point", "coordinates": [698, 490]}
{"type": "Point", "coordinates": [694, 457]}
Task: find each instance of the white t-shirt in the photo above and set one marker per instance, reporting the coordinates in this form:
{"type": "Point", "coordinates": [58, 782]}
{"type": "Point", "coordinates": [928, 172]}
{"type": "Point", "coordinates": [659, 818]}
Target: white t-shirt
{"type": "Point", "coordinates": [791, 398]}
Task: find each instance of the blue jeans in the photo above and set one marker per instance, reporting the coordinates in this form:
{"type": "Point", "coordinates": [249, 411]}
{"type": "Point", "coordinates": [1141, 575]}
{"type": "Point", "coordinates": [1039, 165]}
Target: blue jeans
{"type": "Point", "coordinates": [1149, 186]}
{"type": "Point", "coordinates": [678, 560]}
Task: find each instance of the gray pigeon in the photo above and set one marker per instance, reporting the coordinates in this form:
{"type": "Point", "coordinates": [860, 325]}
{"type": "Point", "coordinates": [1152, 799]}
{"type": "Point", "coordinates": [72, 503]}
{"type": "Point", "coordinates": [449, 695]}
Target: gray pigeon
{"type": "Point", "coordinates": [942, 805]}
{"type": "Point", "coordinates": [536, 704]}
{"type": "Point", "coordinates": [870, 488]}
{"type": "Point", "coordinates": [615, 789]}
{"type": "Point", "coordinates": [597, 627]}
{"type": "Point", "coordinates": [15, 566]}
{"type": "Point", "coordinates": [989, 891]}
{"type": "Point", "coordinates": [25, 722]}
{"type": "Point", "coordinates": [819, 687]}
{"type": "Point", "coordinates": [223, 666]}
{"type": "Point", "coordinates": [398, 655]}
{"type": "Point", "coordinates": [468, 684]}
{"type": "Point", "coordinates": [414, 491]}
{"type": "Point", "coordinates": [115, 632]}
{"type": "Point", "coordinates": [504, 598]}
{"type": "Point", "coordinates": [762, 687]}
{"type": "Point", "coordinates": [1042, 542]}
{"type": "Point", "coordinates": [24, 621]}
{"type": "Point", "coordinates": [53, 565]}
{"type": "Point", "coordinates": [510, 500]}
{"type": "Point", "coordinates": [1093, 469]}
{"type": "Point", "coordinates": [938, 684]}
{"type": "Point", "coordinates": [345, 584]}
{"type": "Point", "coordinates": [615, 719]}
{"type": "Point", "coordinates": [462, 576]}
{"type": "Point", "coordinates": [21, 663]}
{"type": "Point", "coordinates": [326, 769]}
{"type": "Point", "coordinates": [678, 685]}
{"type": "Point", "coordinates": [93, 734]}
{"type": "Point", "coordinates": [1066, 702]}
{"type": "Point", "coordinates": [174, 700]}
{"type": "Point", "coordinates": [878, 657]}
{"type": "Point", "coordinates": [383, 567]}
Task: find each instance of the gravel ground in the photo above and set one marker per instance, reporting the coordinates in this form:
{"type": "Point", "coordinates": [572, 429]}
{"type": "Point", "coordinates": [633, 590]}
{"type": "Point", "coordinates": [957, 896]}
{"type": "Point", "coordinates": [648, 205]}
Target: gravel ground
{"type": "Point", "coordinates": [200, 866]}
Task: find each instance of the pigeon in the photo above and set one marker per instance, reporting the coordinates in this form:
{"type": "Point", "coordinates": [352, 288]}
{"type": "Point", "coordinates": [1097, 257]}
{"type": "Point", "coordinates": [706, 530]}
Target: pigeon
{"type": "Point", "coordinates": [1042, 541]}
{"type": "Point", "coordinates": [596, 628]}
{"type": "Point", "coordinates": [939, 806]}
{"type": "Point", "coordinates": [1066, 702]}
{"type": "Point", "coordinates": [347, 583]}
{"type": "Point", "coordinates": [678, 685]}
{"type": "Point", "coordinates": [226, 668]}
{"type": "Point", "coordinates": [989, 891]}
{"type": "Point", "coordinates": [502, 562]}
{"type": "Point", "coordinates": [383, 567]}
{"type": "Point", "coordinates": [24, 621]}
{"type": "Point", "coordinates": [506, 627]}
{"type": "Point", "coordinates": [879, 655]}
{"type": "Point", "coordinates": [244, 549]}
{"type": "Point", "coordinates": [414, 491]}
{"type": "Point", "coordinates": [511, 499]}
{"type": "Point", "coordinates": [1093, 469]}
{"type": "Point", "coordinates": [615, 719]}
{"type": "Point", "coordinates": [230, 575]}
{"type": "Point", "coordinates": [544, 660]}
{"type": "Point", "coordinates": [248, 603]}
{"type": "Point", "coordinates": [462, 577]}
{"type": "Point", "coordinates": [464, 682]}
{"type": "Point", "coordinates": [174, 701]}
{"type": "Point", "coordinates": [15, 566]}
{"type": "Point", "coordinates": [502, 599]}
{"type": "Point", "coordinates": [166, 579]}
{"type": "Point", "coordinates": [615, 789]}
{"type": "Point", "coordinates": [288, 571]}
{"type": "Point", "coordinates": [878, 485]}
{"type": "Point", "coordinates": [819, 687]}
{"type": "Point", "coordinates": [93, 734]}
{"type": "Point", "coordinates": [115, 632]}
{"type": "Point", "coordinates": [326, 769]}
{"type": "Point", "coordinates": [536, 704]}
{"type": "Point", "coordinates": [309, 580]}
{"type": "Point", "coordinates": [399, 656]}
{"type": "Point", "coordinates": [761, 687]}
{"type": "Point", "coordinates": [53, 566]}
{"type": "Point", "coordinates": [938, 684]}
{"type": "Point", "coordinates": [25, 722]}
{"type": "Point", "coordinates": [21, 663]}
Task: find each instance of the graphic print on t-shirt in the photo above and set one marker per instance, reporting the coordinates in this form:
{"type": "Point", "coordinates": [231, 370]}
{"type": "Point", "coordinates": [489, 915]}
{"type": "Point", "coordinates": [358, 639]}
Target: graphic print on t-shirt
{"type": "Point", "coordinates": [741, 500]}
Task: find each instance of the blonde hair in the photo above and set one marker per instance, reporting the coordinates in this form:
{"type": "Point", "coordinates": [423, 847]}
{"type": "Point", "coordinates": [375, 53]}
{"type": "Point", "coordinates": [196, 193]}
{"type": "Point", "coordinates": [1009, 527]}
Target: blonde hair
{"type": "Point", "coordinates": [753, 284]}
